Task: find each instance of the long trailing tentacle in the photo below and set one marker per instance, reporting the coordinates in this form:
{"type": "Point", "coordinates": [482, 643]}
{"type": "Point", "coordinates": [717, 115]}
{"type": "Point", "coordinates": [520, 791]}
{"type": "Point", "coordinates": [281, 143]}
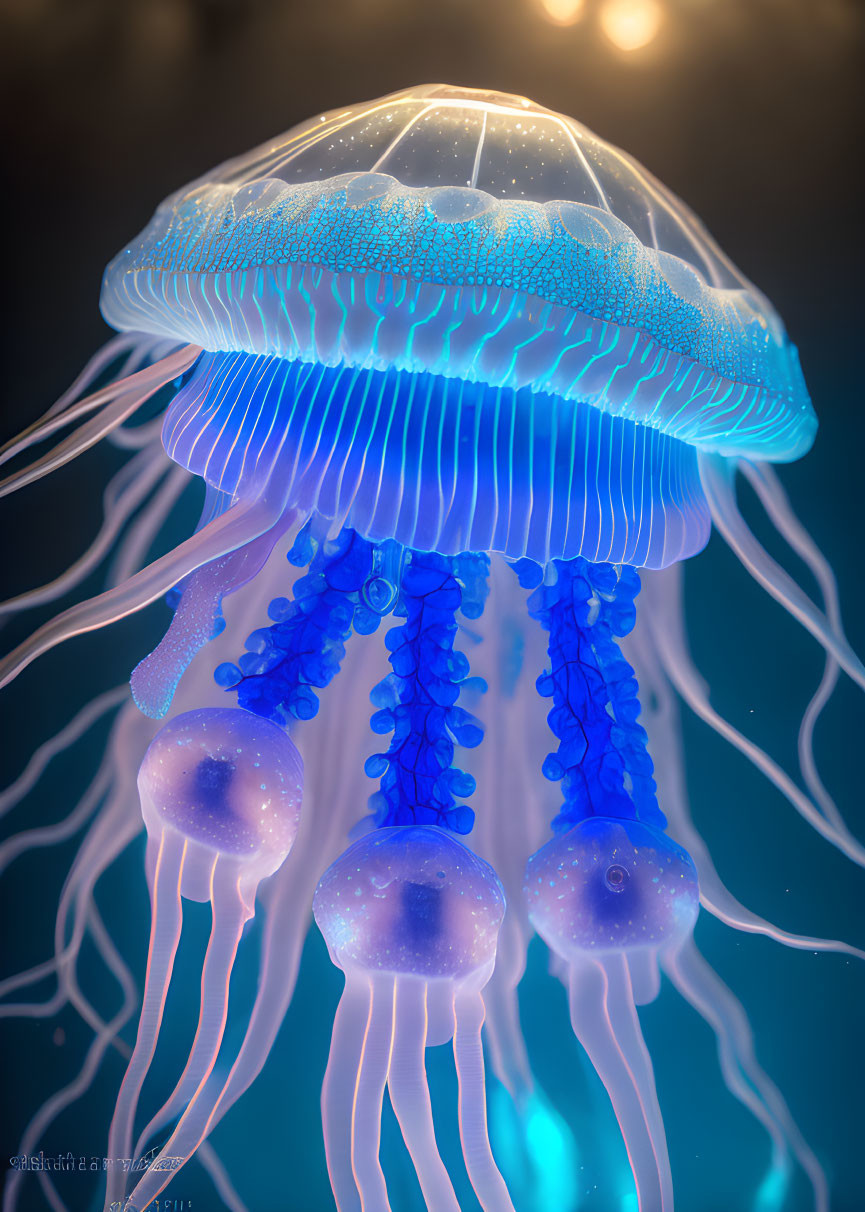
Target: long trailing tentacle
{"type": "Point", "coordinates": [704, 989]}
{"type": "Point", "coordinates": [67, 736]}
{"type": "Point", "coordinates": [410, 1096]}
{"type": "Point", "coordinates": [239, 525]}
{"type": "Point", "coordinates": [718, 479]}
{"type": "Point", "coordinates": [121, 828]}
{"type": "Point", "coordinates": [51, 835]}
{"type": "Point", "coordinates": [115, 403]}
{"type": "Point", "coordinates": [489, 1186]}
{"type": "Point", "coordinates": [114, 828]}
{"type": "Point", "coordinates": [15, 793]}
{"type": "Point", "coordinates": [89, 863]}
{"type": "Point", "coordinates": [141, 349]}
{"type": "Point", "coordinates": [337, 1092]}
{"type": "Point", "coordinates": [106, 1033]}
{"type": "Point", "coordinates": [135, 437]}
{"type": "Point", "coordinates": [116, 347]}
{"type": "Point", "coordinates": [219, 1176]}
{"type": "Point", "coordinates": [661, 609]}
{"type": "Point", "coordinates": [368, 1095]}
{"type": "Point", "coordinates": [113, 831]}
{"type": "Point", "coordinates": [765, 482]}
{"type": "Point", "coordinates": [604, 1020]}
{"type": "Point", "coordinates": [166, 919]}
{"type": "Point", "coordinates": [129, 488]}
{"type": "Point", "coordinates": [79, 1086]}
{"type": "Point", "coordinates": [143, 531]}
{"type": "Point", "coordinates": [668, 632]}
{"type": "Point", "coordinates": [230, 913]}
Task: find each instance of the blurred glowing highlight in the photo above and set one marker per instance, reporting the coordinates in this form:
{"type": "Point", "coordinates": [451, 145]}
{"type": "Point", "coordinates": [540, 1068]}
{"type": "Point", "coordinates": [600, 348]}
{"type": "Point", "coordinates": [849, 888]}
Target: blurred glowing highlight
{"type": "Point", "coordinates": [631, 24]}
{"type": "Point", "coordinates": [535, 1151]}
{"type": "Point", "coordinates": [563, 12]}
{"type": "Point", "coordinates": [772, 1192]}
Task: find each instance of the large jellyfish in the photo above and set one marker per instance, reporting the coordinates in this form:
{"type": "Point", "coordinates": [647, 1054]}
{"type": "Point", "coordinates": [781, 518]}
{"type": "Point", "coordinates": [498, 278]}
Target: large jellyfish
{"type": "Point", "coordinates": [448, 358]}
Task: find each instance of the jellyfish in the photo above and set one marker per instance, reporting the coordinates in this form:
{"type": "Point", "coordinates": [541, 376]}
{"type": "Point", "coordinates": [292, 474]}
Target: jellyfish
{"type": "Point", "coordinates": [411, 916]}
{"type": "Point", "coordinates": [445, 358]}
{"type": "Point", "coordinates": [220, 797]}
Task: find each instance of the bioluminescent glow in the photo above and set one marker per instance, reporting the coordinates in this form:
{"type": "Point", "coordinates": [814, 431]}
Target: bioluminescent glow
{"type": "Point", "coordinates": [464, 386]}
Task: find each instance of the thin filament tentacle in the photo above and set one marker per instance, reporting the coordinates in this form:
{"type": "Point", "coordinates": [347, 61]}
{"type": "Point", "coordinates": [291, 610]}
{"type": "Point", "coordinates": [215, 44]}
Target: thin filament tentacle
{"type": "Point", "coordinates": [590, 1003]}
{"type": "Point", "coordinates": [166, 920]}
{"type": "Point", "coordinates": [117, 402]}
{"type": "Point", "coordinates": [66, 737]}
{"type": "Point", "coordinates": [765, 482]}
{"type": "Point", "coordinates": [717, 477]}
{"type": "Point", "coordinates": [368, 1095]}
{"type": "Point", "coordinates": [132, 552]}
{"type": "Point", "coordinates": [229, 916]}
{"type": "Point", "coordinates": [120, 501]}
{"type": "Point", "coordinates": [668, 632]}
{"type": "Point", "coordinates": [101, 360]}
{"type": "Point", "coordinates": [745, 1078]}
{"type": "Point", "coordinates": [74, 1090]}
{"type": "Point", "coordinates": [337, 1092]}
{"type": "Point", "coordinates": [661, 718]}
{"type": "Point", "coordinates": [241, 524]}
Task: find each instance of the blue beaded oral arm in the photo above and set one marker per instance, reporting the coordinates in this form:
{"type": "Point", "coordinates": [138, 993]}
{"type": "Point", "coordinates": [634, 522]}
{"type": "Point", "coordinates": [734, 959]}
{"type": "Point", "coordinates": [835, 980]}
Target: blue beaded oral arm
{"type": "Point", "coordinates": [602, 760]}
{"type": "Point", "coordinates": [350, 585]}
{"type": "Point", "coordinates": [418, 700]}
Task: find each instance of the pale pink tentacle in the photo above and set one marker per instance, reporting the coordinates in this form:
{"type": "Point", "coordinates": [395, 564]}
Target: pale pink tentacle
{"type": "Point", "coordinates": [667, 627]}
{"type": "Point", "coordinates": [410, 1096]}
{"type": "Point", "coordinates": [489, 1186]}
{"type": "Point", "coordinates": [119, 503]}
{"type": "Point", "coordinates": [594, 987]}
{"type": "Point", "coordinates": [707, 993]}
{"type": "Point", "coordinates": [67, 736]}
{"type": "Point", "coordinates": [230, 913]}
{"type": "Point", "coordinates": [238, 526]}
{"type": "Point", "coordinates": [717, 477]}
{"type": "Point", "coordinates": [764, 480]}
{"type": "Point", "coordinates": [661, 608]}
{"type": "Point", "coordinates": [115, 404]}
{"type": "Point", "coordinates": [166, 920]}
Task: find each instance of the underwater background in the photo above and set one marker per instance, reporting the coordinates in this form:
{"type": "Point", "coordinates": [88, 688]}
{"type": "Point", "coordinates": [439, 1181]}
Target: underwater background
{"type": "Point", "coordinates": [751, 111]}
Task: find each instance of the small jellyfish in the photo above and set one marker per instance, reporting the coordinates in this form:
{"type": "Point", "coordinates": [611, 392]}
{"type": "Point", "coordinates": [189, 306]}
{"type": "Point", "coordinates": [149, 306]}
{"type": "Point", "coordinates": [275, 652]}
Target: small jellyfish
{"type": "Point", "coordinates": [412, 917]}
{"type": "Point", "coordinates": [220, 796]}
{"type": "Point", "coordinates": [608, 897]}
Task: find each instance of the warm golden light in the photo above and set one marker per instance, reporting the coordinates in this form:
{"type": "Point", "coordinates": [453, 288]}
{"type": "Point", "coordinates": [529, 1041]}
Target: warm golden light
{"type": "Point", "coordinates": [563, 12]}
{"type": "Point", "coordinates": [630, 24]}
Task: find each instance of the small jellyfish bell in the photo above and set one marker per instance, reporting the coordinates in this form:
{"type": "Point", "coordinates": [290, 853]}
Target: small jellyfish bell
{"type": "Point", "coordinates": [220, 796]}
{"type": "Point", "coordinates": [222, 786]}
{"type": "Point", "coordinates": [412, 917]}
{"type": "Point", "coordinates": [608, 897]}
